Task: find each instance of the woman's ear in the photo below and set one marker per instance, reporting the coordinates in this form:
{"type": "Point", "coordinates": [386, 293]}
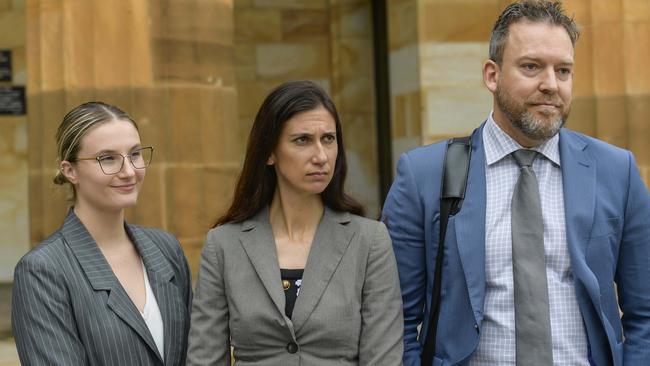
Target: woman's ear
{"type": "Point", "coordinates": [270, 160]}
{"type": "Point", "coordinates": [68, 171]}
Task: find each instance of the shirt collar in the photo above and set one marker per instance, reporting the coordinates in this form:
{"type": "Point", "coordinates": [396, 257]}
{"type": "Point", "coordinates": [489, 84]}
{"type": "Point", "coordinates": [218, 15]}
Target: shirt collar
{"type": "Point", "coordinates": [499, 145]}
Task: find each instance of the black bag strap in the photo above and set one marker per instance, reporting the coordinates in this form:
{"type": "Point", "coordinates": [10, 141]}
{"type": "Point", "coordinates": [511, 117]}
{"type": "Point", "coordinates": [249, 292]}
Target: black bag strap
{"type": "Point", "coordinates": [454, 182]}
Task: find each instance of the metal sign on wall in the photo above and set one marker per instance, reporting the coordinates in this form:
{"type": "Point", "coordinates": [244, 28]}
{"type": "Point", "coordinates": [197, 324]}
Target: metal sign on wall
{"type": "Point", "coordinates": [5, 65]}
{"type": "Point", "coordinates": [12, 101]}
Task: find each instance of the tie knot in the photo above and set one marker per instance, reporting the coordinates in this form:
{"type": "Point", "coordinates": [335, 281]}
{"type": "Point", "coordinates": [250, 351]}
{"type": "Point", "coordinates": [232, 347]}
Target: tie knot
{"type": "Point", "coordinates": [524, 157]}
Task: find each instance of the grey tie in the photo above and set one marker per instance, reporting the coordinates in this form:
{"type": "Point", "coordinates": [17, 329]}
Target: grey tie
{"type": "Point", "coordinates": [532, 317]}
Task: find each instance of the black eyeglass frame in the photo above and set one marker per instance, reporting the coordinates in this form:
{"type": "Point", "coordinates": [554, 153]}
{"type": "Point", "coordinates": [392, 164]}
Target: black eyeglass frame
{"type": "Point", "coordinates": [130, 156]}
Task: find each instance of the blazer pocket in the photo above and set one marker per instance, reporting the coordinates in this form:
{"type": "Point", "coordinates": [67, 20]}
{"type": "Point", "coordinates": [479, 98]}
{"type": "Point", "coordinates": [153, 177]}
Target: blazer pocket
{"type": "Point", "coordinates": [605, 227]}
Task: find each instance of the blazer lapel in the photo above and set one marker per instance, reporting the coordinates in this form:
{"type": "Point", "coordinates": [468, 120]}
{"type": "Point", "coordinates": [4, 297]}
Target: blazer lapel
{"type": "Point", "coordinates": [160, 275]}
{"type": "Point", "coordinates": [470, 227]}
{"type": "Point", "coordinates": [101, 276]}
{"type": "Point", "coordinates": [579, 184]}
{"type": "Point", "coordinates": [331, 240]}
{"type": "Point", "coordinates": [259, 244]}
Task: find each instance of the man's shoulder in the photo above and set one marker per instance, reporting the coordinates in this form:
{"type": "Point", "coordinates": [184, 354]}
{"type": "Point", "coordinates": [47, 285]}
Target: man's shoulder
{"type": "Point", "coordinates": [424, 156]}
{"type": "Point", "coordinates": [600, 149]}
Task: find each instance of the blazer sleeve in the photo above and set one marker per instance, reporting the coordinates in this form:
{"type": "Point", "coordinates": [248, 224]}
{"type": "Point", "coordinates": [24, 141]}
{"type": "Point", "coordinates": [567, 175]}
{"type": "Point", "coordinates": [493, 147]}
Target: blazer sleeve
{"type": "Point", "coordinates": [404, 216]}
{"type": "Point", "coordinates": [43, 323]}
{"type": "Point", "coordinates": [633, 271]}
{"type": "Point", "coordinates": [381, 308]}
{"type": "Point", "coordinates": [209, 338]}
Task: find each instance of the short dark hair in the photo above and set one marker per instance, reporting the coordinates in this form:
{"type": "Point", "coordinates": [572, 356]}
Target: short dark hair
{"type": "Point", "coordinates": [534, 11]}
{"type": "Point", "coordinates": [257, 180]}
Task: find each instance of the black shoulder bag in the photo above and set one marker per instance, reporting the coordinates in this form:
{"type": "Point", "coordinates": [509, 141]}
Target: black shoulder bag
{"type": "Point", "coordinates": [454, 182]}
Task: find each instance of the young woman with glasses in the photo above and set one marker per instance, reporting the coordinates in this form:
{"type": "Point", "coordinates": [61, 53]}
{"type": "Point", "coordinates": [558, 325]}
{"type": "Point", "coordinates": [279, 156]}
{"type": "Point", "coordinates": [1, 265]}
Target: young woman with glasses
{"type": "Point", "coordinates": [100, 291]}
{"type": "Point", "coordinates": [292, 274]}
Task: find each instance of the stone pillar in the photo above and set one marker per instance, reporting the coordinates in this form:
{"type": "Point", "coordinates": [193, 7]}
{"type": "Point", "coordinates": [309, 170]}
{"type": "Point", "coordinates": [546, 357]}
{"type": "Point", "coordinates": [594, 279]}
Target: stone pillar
{"type": "Point", "coordinates": [169, 64]}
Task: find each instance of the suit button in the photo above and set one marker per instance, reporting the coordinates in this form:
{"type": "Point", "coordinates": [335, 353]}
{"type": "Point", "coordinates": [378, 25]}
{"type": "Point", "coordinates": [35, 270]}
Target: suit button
{"type": "Point", "coordinates": [292, 347]}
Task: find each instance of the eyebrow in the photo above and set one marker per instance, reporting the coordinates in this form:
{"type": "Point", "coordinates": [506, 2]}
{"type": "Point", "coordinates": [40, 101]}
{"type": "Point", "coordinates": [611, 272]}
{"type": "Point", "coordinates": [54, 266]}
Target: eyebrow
{"type": "Point", "coordinates": [539, 60]}
{"type": "Point", "coordinates": [109, 151]}
{"type": "Point", "coordinates": [310, 134]}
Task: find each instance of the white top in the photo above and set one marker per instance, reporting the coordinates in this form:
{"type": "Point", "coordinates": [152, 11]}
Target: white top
{"type": "Point", "coordinates": [152, 317]}
{"type": "Point", "coordinates": [497, 341]}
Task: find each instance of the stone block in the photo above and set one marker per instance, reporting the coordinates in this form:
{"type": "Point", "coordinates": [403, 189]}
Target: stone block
{"type": "Point", "coordinates": [611, 120]}
{"type": "Point", "coordinates": [185, 132]}
{"type": "Point", "coordinates": [48, 39]}
{"type": "Point", "coordinates": [407, 115]}
{"type": "Point", "coordinates": [52, 110]}
{"type": "Point", "coordinates": [405, 70]}
{"type": "Point", "coordinates": [636, 10]}
{"type": "Point", "coordinates": [186, 216]}
{"type": "Point", "coordinates": [356, 95]}
{"type": "Point", "coordinates": [293, 61]}
{"type": "Point", "coordinates": [79, 43]}
{"type": "Point", "coordinates": [455, 110]}
{"type": "Point", "coordinates": [305, 24]}
{"type": "Point", "coordinates": [452, 63]}
{"type": "Point", "coordinates": [12, 25]}
{"type": "Point", "coordinates": [608, 59]}
{"type": "Point", "coordinates": [203, 21]}
{"type": "Point", "coordinates": [453, 21]}
{"type": "Point", "coordinates": [254, 25]}
{"type": "Point", "coordinates": [291, 4]}
{"type": "Point", "coordinates": [193, 62]}
{"type": "Point", "coordinates": [583, 115]}
{"type": "Point", "coordinates": [636, 56]}
{"type": "Point", "coordinates": [353, 19]}
{"type": "Point", "coordinates": [219, 136]}
{"type": "Point", "coordinates": [638, 110]}
{"type": "Point", "coordinates": [606, 11]}
{"type": "Point", "coordinates": [245, 67]}
{"type": "Point", "coordinates": [151, 111]}
{"type": "Point", "coordinates": [402, 24]}
{"type": "Point", "coordinates": [580, 10]}
{"type": "Point", "coordinates": [355, 57]}
{"type": "Point", "coordinates": [583, 71]}
{"type": "Point", "coordinates": [120, 48]}
{"type": "Point", "coordinates": [250, 96]}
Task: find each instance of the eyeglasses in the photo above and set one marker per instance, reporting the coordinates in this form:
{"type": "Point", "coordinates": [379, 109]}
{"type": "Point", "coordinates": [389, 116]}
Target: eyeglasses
{"type": "Point", "coordinates": [113, 163]}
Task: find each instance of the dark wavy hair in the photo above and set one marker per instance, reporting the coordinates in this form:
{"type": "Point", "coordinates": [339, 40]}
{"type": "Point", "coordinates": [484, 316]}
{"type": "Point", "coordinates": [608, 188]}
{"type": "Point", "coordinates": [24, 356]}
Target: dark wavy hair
{"type": "Point", "coordinates": [257, 180]}
{"type": "Point", "coordinates": [534, 11]}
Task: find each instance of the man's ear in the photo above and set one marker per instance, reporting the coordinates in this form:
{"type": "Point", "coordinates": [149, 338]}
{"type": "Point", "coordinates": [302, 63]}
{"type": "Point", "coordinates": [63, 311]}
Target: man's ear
{"type": "Point", "coordinates": [69, 171]}
{"type": "Point", "coordinates": [491, 72]}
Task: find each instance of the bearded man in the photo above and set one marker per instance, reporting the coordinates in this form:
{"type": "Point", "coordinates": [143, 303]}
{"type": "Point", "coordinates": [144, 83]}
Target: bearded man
{"type": "Point", "coordinates": [553, 235]}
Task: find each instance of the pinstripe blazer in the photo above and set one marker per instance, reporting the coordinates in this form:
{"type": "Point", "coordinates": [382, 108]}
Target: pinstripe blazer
{"type": "Point", "coordinates": [349, 311]}
{"type": "Point", "coordinates": [68, 307]}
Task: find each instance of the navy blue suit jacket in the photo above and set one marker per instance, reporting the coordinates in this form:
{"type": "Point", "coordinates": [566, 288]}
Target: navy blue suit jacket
{"type": "Point", "coordinates": [607, 208]}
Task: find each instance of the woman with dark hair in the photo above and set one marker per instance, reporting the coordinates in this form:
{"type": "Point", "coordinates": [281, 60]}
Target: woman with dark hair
{"type": "Point", "coordinates": [100, 291]}
{"type": "Point", "coordinates": [292, 274]}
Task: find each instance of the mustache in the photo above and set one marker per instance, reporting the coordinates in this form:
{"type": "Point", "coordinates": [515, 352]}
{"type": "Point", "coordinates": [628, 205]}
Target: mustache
{"type": "Point", "coordinates": [555, 100]}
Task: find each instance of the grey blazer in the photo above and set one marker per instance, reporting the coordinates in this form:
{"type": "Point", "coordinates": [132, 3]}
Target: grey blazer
{"type": "Point", "coordinates": [68, 308]}
{"type": "Point", "coordinates": [349, 311]}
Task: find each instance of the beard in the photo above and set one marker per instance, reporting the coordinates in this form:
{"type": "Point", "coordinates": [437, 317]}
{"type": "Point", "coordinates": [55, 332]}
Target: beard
{"type": "Point", "coordinates": [534, 128]}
